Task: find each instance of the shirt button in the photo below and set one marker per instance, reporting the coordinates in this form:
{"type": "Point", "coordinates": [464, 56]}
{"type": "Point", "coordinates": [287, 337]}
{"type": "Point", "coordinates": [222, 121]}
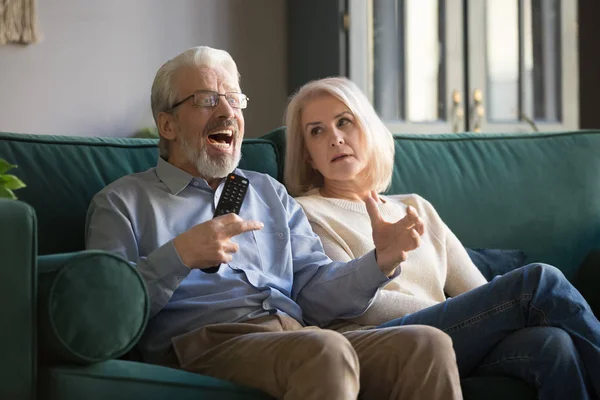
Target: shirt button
{"type": "Point", "coordinates": [195, 183]}
{"type": "Point", "coordinates": [280, 235]}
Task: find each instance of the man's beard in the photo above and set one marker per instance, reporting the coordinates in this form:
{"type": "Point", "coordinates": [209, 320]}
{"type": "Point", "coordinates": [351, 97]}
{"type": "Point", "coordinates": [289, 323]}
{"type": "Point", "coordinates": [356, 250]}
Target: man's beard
{"type": "Point", "coordinates": [207, 166]}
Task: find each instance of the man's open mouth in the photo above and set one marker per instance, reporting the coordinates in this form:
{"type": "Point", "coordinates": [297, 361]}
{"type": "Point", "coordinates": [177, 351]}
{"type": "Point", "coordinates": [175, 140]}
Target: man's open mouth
{"type": "Point", "coordinates": [221, 139]}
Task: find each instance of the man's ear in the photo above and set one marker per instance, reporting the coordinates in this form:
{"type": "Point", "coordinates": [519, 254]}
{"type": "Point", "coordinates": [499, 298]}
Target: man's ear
{"type": "Point", "coordinates": [166, 126]}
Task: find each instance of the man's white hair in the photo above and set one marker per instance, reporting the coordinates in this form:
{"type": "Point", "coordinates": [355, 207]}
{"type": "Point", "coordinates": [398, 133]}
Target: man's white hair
{"type": "Point", "coordinates": [164, 95]}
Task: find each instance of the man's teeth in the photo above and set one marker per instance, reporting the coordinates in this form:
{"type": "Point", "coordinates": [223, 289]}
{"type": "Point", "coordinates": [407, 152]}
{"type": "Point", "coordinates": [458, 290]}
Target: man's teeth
{"type": "Point", "coordinates": [221, 139]}
{"type": "Point", "coordinates": [222, 145]}
{"type": "Point", "coordinates": [225, 132]}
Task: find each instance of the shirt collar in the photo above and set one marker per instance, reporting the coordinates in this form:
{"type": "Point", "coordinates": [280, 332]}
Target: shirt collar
{"type": "Point", "coordinates": [175, 178]}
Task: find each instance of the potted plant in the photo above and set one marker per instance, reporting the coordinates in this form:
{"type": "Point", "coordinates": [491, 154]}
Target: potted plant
{"type": "Point", "coordinates": [8, 182]}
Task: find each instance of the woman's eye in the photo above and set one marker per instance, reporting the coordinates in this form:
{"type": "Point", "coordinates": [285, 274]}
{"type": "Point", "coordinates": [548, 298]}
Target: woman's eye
{"type": "Point", "coordinates": [315, 130]}
{"type": "Point", "coordinates": [343, 121]}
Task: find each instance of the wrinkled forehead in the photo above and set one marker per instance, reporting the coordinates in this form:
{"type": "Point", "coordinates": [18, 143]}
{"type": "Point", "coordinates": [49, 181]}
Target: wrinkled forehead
{"type": "Point", "coordinates": [217, 79]}
{"type": "Point", "coordinates": [321, 107]}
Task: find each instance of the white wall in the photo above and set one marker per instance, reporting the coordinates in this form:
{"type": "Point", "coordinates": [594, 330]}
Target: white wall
{"type": "Point", "coordinates": [92, 72]}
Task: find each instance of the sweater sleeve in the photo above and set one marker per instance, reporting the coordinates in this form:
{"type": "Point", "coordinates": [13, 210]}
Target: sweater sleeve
{"type": "Point", "coordinates": [332, 247]}
{"type": "Point", "coordinates": [462, 274]}
{"type": "Point", "coordinates": [389, 305]}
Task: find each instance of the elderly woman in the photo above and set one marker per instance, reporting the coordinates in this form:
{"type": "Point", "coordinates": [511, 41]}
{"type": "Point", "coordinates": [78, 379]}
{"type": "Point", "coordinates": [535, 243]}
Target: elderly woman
{"type": "Point", "coordinates": [530, 323]}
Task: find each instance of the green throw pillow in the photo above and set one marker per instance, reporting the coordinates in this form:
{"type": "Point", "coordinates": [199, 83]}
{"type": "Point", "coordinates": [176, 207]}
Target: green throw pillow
{"type": "Point", "coordinates": [93, 306]}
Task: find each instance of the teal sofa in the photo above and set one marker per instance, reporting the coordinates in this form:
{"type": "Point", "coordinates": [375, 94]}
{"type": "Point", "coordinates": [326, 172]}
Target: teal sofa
{"type": "Point", "coordinates": [539, 193]}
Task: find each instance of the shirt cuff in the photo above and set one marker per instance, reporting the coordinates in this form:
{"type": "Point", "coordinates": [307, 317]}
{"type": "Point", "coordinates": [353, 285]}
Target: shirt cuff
{"type": "Point", "coordinates": [370, 274]}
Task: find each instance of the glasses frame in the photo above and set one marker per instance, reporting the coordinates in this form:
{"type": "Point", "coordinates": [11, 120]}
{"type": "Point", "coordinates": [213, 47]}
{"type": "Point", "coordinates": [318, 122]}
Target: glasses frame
{"type": "Point", "coordinates": [219, 95]}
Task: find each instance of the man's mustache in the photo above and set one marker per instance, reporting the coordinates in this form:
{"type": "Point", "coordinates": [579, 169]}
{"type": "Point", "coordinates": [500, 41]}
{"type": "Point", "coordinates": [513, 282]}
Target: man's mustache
{"type": "Point", "coordinates": [223, 124]}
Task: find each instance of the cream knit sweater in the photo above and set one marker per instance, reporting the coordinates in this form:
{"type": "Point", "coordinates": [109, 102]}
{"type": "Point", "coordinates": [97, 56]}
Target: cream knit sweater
{"type": "Point", "coordinates": [440, 266]}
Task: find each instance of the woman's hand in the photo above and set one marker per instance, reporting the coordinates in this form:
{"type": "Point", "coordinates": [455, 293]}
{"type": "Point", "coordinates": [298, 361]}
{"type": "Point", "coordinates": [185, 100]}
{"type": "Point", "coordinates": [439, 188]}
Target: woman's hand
{"type": "Point", "coordinates": [393, 241]}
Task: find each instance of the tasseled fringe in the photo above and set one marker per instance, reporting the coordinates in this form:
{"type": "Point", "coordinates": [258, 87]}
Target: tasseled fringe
{"type": "Point", "coordinates": [18, 22]}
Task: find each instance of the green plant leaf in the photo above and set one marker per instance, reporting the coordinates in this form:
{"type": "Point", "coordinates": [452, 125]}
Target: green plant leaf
{"type": "Point", "coordinates": [5, 166]}
{"type": "Point", "coordinates": [4, 192]}
{"type": "Point", "coordinates": [149, 132]}
{"type": "Point", "coordinates": [11, 182]}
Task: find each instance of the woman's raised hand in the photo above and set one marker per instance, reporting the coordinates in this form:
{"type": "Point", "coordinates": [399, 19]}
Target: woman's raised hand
{"type": "Point", "coordinates": [393, 241]}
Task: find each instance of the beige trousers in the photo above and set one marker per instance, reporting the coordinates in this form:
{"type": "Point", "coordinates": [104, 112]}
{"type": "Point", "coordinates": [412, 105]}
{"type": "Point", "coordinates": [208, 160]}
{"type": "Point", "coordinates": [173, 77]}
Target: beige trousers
{"type": "Point", "coordinates": [280, 357]}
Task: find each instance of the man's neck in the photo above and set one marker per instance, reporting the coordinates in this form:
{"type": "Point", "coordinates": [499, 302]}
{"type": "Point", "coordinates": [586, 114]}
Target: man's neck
{"type": "Point", "coordinates": [213, 183]}
{"type": "Point", "coordinates": [191, 169]}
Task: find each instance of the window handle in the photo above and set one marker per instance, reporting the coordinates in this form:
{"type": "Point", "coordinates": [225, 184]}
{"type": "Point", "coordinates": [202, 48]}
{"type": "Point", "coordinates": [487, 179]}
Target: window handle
{"type": "Point", "coordinates": [458, 112]}
{"type": "Point", "coordinates": [477, 110]}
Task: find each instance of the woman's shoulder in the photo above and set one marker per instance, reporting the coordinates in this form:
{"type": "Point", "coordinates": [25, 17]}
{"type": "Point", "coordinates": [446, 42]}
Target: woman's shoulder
{"type": "Point", "coordinates": [413, 200]}
{"type": "Point", "coordinates": [312, 202]}
{"type": "Point", "coordinates": [311, 197]}
{"type": "Point", "coordinates": [409, 199]}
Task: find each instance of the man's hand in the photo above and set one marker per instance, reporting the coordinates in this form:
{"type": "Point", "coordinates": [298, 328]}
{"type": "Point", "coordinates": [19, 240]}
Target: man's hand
{"type": "Point", "coordinates": [393, 241]}
{"type": "Point", "coordinates": [209, 243]}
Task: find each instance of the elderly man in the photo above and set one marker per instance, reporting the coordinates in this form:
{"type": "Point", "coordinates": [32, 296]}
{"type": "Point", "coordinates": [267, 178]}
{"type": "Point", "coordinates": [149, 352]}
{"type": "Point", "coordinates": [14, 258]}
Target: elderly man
{"type": "Point", "coordinates": [247, 322]}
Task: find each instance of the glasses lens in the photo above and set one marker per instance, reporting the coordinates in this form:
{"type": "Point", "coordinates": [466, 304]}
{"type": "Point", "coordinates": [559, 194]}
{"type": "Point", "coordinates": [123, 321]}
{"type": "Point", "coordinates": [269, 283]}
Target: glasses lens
{"type": "Point", "coordinates": [206, 99]}
{"type": "Point", "coordinates": [237, 100]}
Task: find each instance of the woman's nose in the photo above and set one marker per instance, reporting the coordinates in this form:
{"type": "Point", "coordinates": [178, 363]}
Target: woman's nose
{"type": "Point", "coordinates": [337, 139]}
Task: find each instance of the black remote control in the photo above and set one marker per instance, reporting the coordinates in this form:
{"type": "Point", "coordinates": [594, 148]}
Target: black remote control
{"type": "Point", "coordinates": [231, 200]}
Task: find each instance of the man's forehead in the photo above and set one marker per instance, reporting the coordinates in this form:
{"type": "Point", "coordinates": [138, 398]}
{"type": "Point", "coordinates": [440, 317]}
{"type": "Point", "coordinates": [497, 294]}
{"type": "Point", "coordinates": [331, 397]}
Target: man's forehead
{"type": "Point", "coordinates": [206, 78]}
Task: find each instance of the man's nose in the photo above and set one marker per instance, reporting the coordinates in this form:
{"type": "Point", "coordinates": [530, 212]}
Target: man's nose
{"type": "Point", "coordinates": [224, 109]}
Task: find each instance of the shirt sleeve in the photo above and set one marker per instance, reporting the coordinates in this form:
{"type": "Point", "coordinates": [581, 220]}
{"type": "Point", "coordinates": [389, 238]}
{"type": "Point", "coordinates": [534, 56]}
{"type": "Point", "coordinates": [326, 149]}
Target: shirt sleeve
{"type": "Point", "coordinates": [327, 290]}
{"type": "Point", "coordinates": [109, 227]}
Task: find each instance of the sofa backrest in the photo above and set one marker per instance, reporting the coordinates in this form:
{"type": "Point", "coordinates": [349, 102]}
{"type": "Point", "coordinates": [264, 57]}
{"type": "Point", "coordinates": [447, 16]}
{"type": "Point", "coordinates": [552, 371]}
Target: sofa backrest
{"type": "Point", "coordinates": [63, 173]}
{"type": "Point", "coordinates": [539, 193]}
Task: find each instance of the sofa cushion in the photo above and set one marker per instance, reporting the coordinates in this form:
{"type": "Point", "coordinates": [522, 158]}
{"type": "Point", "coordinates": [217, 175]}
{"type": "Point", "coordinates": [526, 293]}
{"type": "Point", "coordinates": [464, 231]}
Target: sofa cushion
{"type": "Point", "coordinates": [93, 307]}
{"type": "Point", "coordinates": [126, 380]}
{"type": "Point", "coordinates": [492, 262]}
{"type": "Point", "coordinates": [63, 173]}
{"type": "Point", "coordinates": [538, 193]}
{"type": "Point", "coordinates": [496, 388]}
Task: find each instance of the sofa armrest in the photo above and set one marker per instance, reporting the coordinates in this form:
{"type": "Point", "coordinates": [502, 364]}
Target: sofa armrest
{"type": "Point", "coordinates": [18, 252]}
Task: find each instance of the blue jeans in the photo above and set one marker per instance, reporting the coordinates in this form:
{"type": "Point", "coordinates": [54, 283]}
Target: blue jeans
{"type": "Point", "coordinates": [530, 323]}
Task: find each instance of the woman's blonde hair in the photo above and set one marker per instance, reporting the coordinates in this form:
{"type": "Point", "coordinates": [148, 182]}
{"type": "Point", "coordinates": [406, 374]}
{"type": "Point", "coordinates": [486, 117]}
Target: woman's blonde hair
{"type": "Point", "coordinates": [299, 175]}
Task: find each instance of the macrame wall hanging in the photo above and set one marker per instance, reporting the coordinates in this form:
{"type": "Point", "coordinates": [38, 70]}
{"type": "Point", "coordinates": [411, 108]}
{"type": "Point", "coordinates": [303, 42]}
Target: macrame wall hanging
{"type": "Point", "coordinates": [18, 22]}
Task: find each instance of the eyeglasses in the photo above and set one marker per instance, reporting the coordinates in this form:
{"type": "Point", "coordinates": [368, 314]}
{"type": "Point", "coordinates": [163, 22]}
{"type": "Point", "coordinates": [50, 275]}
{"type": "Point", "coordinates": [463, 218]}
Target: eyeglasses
{"type": "Point", "coordinates": [207, 98]}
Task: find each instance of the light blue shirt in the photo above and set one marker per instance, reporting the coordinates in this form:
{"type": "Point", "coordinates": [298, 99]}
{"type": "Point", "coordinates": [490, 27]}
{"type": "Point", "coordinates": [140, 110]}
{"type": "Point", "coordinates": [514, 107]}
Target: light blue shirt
{"type": "Point", "coordinates": [279, 269]}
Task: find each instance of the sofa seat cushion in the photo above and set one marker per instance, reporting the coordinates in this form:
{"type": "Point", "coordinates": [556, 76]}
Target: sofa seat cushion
{"type": "Point", "coordinates": [93, 307]}
{"type": "Point", "coordinates": [496, 388]}
{"type": "Point", "coordinates": [128, 380]}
